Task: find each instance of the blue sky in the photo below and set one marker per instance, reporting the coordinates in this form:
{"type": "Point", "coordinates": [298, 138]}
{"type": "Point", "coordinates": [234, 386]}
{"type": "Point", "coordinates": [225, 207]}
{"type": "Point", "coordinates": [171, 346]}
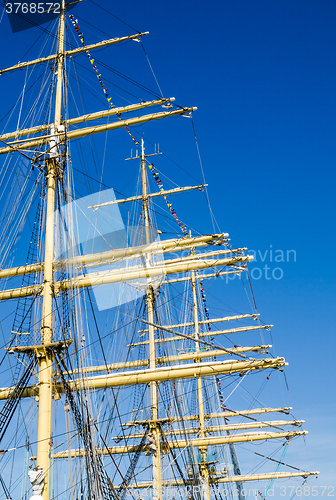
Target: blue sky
{"type": "Point", "coordinates": [262, 75]}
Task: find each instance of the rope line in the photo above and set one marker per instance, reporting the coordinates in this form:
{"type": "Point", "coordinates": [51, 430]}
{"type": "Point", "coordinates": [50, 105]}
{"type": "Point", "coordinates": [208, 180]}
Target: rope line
{"type": "Point", "coordinates": [105, 89]}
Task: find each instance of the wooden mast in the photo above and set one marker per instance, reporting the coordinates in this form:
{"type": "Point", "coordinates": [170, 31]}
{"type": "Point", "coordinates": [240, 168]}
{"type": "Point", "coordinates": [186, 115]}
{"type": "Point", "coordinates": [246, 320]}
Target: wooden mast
{"type": "Point", "coordinates": [203, 449]}
{"type": "Point", "coordinates": [155, 430]}
{"type": "Point", "coordinates": [44, 353]}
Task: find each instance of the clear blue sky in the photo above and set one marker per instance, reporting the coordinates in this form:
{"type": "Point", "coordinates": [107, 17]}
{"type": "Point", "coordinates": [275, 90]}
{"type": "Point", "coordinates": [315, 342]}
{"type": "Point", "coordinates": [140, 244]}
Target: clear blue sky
{"type": "Point", "coordinates": [263, 76]}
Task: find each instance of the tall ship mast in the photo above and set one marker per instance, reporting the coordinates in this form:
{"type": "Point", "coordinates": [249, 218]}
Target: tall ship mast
{"type": "Point", "coordinates": [121, 380]}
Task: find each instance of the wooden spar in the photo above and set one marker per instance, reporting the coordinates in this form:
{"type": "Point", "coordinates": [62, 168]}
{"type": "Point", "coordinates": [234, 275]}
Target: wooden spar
{"type": "Point", "coordinates": [167, 263]}
{"type": "Point", "coordinates": [167, 246]}
{"type": "Point", "coordinates": [104, 43]}
{"type": "Point", "coordinates": [165, 359]}
{"type": "Point", "coordinates": [266, 476]}
{"type": "Point", "coordinates": [87, 117]}
{"type": "Point", "coordinates": [206, 334]}
{"type": "Point", "coordinates": [197, 442]}
{"type": "Point", "coordinates": [118, 111]}
{"type": "Point", "coordinates": [115, 277]}
{"type": "Point", "coordinates": [197, 256]}
{"type": "Point", "coordinates": [18, 271]}
{"type": "Point", "coordinates": [236, 330]}
{"type": "Point", "coordinates": [130, 378]}
{"type": "Point", "coordinates": [119, 276]}
{"type": "Point", "coordinates": [200, 277]}
{"type": "Point", "coordinates": [139, 255]}
{"type": "Point", "coordinates": [226, 414]}
{"type": "Point", "coordinates": [219, 428]}
{"type": "Point", "coordinates": [206, 321]}
{"type": "Point", "coordinates": [75, 134]}
{"type": "Point", "coordinates": [151, 195]}
{"type": "Point", "coordinates": [16, 293]}
{"type": "Point", "coordinates": [151, 272]}
{"type": "Point", "coordinates": [232, 479]}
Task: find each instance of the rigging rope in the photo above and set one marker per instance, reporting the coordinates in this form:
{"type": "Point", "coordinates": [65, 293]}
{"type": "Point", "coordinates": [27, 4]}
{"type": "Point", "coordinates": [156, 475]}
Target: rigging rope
{"type": "Point", "coordinates": [130, 471]}
{"type": "Point", "coordinates": [23, 313]}
{"type": "Point", "coordinates": [169, 205]}
{"type": "Point", "coordinates": [234, 457]}
{"type": "Point", "coordinates": [113, 15]}
{"type": "Point", "coordinates": [213, 220]}
{"type": "Point", "coordinates": [83, 427]}
{"type": "Point", "coordinates": [157, 83]}
{"type": "Point", "coordinates": [105, 89]}
{"type": "Point", "coordinates": [23, 94]}
{"type": "Point", "coordinates": [14, 397]}
{"type": "Point", "coordinates": [278, 467]}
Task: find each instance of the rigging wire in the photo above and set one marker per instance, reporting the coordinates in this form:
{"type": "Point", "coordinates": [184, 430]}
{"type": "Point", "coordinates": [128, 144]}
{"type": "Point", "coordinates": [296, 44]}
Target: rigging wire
{"type": "Point", "coordinates": [11, 110]}
{"type": "Point", "coordinates": [157, 83]}
{"type": "Point", "coordinates": [23, 93]}
{"type": "Point", "coordinates": [113, 15]}
{"type": "Point", "coordinates": [213, 220]}
{"type": "Point", "coordinates": [105, 361]}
